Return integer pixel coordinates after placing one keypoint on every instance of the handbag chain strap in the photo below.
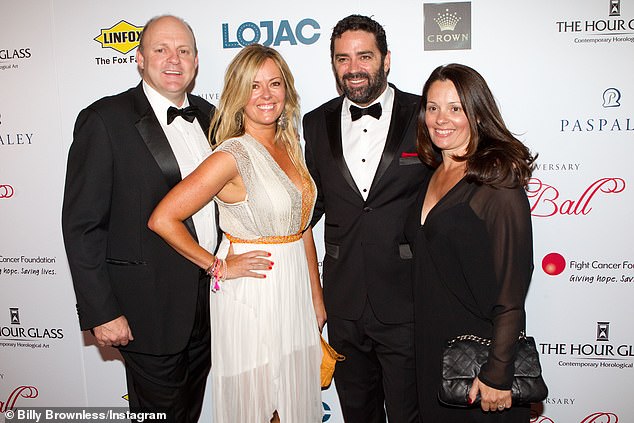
(479, 340)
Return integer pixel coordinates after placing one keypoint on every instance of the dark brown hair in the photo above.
(494, 155)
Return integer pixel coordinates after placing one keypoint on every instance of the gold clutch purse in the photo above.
(328, 360)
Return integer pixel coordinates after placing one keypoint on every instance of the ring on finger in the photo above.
(501, 407)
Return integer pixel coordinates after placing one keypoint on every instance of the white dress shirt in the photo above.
(363, 140)
(190, 146)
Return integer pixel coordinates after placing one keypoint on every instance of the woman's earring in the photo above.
(282, 121)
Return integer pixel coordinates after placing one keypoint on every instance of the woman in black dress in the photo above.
(471, 231)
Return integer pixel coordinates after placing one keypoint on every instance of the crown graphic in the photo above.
(447, 21)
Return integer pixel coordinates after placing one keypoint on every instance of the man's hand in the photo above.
(114, 333)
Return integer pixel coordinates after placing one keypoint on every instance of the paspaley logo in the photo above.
(270, 33)
(610, 99)
(122, 37)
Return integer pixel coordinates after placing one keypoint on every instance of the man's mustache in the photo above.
(357, 75)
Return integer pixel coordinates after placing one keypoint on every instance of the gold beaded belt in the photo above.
(282, 239)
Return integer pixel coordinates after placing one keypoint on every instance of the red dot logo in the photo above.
(553, 264)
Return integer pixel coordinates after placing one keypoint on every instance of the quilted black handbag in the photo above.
(463, 357)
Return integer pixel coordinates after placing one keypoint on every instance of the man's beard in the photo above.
(368, 93)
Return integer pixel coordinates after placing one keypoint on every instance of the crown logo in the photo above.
(447, 21)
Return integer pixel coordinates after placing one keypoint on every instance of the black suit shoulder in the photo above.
(406, 98)
(113, 104)
(319, 111)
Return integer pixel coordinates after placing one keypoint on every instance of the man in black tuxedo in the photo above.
(133, 291)
(361, 151)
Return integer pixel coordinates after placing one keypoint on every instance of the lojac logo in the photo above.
(122, 37)
(305, 32)
(611, 98)
(6, 191)
(546, 199)
(447, 26)
(19, 392)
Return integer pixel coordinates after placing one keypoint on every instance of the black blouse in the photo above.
(473, 260)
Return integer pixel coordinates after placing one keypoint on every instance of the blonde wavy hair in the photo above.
(228, 121)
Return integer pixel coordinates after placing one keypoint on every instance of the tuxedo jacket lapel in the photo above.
(333, 126)
(152, 134)
(401, 116)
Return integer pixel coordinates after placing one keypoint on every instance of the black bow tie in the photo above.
(374, 111)
(188, 113)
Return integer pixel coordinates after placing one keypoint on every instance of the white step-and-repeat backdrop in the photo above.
(562, 72)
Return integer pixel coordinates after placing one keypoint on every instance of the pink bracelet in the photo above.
(215, 272)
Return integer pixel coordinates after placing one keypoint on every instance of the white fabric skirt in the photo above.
(265, 346)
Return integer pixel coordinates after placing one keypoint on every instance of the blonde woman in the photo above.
(267, 307)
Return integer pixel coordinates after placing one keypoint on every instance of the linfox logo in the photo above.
(122, 37)
(270, 33)
(6, 191)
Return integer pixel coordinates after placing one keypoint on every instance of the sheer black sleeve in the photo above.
(506, 215)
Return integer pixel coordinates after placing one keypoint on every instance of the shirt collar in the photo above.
(159, 103)
(385, 99)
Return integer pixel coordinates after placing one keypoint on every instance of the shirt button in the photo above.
(365, 190)
(365, 130)
(367, 209)
(363, 160)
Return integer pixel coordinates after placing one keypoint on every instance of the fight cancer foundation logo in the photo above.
(590, 271)
(122, 37)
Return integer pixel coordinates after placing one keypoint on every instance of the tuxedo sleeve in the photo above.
(311, 164)
(85, 219)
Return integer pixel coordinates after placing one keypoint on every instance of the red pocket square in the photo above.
(406, 154)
